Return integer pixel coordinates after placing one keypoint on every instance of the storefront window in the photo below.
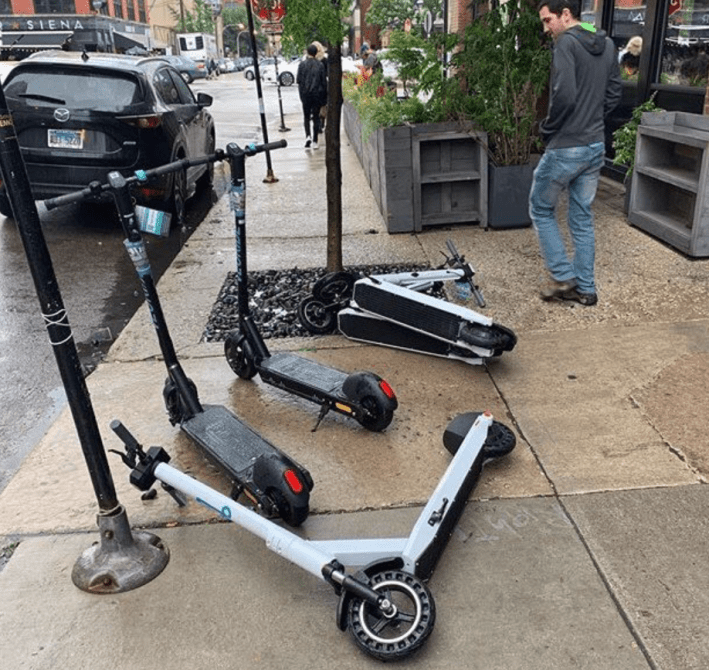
(685, 51)
(588, 11)
(54, 7)
(628, 23)
(5, 7)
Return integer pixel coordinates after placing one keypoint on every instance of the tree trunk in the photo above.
(333, 164)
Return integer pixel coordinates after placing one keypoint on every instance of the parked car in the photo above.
(249, 69)
(226, 65)
(186, 67)
(287, 72)
(243, 62)
(80, 116)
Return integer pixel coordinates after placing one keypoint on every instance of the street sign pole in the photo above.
(270, 177)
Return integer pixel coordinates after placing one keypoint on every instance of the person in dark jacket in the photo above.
(312, 87)
(585, 87)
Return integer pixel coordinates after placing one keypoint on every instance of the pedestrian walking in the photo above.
(312, 87)
(585, 88)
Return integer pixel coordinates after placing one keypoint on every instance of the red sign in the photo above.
(272, 11)
(675, 6)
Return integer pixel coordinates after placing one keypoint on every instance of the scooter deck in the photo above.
(409, 308)
(230, 443)
(362, 327)
(302, 376)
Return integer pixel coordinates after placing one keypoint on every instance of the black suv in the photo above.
(80, 116)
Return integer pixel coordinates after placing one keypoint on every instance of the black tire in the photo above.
(5, 208)
(334, 287)
(205, 182)
(292, 515)
(315, 317)
(493, 337)
(175, 406)
(376, 417)
(287, 79)
(239, 355)
(390, 638)
(178, 206)
(500, 440)
(249, 74)
(187, 77)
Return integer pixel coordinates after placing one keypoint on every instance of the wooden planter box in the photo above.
(423, 174)
(669, 197)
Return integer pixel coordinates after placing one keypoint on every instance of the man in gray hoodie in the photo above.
(585, 88)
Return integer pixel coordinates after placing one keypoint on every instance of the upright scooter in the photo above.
(397, 310)
(385, 603)
(363, 396)
(275, 483)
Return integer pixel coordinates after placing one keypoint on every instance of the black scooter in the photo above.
(275, 483)
(363, 396)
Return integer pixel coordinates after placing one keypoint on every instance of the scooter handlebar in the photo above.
(95, 188)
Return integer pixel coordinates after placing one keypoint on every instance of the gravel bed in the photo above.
(274, 296)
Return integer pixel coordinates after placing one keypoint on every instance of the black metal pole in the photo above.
(121, 560)
(270, 177)
(54, 314)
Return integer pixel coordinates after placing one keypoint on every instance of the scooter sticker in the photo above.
(237, 200)
(224, 512)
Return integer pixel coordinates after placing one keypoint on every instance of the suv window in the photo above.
(172, 88)
(74, 90)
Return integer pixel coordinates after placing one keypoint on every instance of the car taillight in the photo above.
(143, 122)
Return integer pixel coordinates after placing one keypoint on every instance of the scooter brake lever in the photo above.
(128, 459)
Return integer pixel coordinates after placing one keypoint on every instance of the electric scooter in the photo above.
(386, 605)
(274, 482)
(398, 310)
(363, 396)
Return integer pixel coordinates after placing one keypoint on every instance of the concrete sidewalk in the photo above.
(585, 548)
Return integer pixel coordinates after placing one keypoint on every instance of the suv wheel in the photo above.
(5, 208)
(249, 74)
(179, 198)
(287, 79)
(186, 76)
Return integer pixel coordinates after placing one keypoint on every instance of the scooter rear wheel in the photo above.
(239, 355)
(497, 338)
(396, 635)
(500, 440)
(291, 514)
(376, 417)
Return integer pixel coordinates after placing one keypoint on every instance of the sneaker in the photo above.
(315, 145)
(587, 299)
(556, 289)
(307, 143)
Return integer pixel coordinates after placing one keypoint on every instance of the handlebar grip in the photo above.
(142, 175)
(253, 149)
(124, 434)
(92, 189)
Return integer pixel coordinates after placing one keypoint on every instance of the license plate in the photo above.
(65, 139)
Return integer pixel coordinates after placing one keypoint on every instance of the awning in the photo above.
(124, 42)
(35, 39)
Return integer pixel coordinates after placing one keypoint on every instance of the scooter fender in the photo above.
(359, 385)
(275, 471)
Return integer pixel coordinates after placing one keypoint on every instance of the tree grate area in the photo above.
(274, 296)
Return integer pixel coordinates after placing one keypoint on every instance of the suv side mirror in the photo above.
(204, 100)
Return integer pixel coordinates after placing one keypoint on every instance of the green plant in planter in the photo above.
(625, 137)
(502, 70)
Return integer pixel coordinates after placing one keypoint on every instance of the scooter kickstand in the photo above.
(324, 409)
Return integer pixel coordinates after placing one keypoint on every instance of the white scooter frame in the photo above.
(386, 605)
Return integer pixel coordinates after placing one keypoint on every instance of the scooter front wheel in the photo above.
(497, 338)
(239, 355)
(398, 633)
(376, 416)
(316, 317)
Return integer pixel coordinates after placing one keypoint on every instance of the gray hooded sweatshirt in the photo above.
(585, 88)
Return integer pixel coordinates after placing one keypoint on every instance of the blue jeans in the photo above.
(576, 169)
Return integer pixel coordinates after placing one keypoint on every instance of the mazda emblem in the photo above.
(61, 114)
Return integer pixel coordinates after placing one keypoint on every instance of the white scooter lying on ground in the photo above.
(398, 310)
(386, 604)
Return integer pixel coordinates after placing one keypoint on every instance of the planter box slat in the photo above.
(423, 174)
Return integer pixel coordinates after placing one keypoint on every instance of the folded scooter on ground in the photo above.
(402, 311)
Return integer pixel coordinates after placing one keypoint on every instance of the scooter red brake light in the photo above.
(388, 390)
(293, 481)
